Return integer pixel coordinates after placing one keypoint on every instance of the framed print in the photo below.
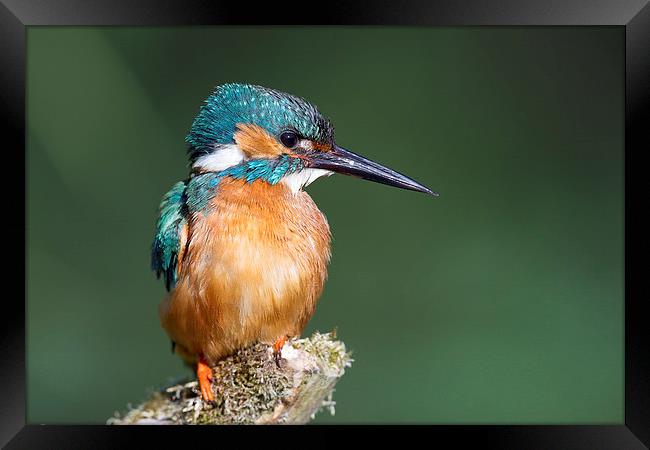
(503, 308)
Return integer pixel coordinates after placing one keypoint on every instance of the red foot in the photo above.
(204, 375)
(277, 349)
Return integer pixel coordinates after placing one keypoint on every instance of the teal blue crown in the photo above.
(273, 110)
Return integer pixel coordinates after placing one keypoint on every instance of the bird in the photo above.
(242, 248)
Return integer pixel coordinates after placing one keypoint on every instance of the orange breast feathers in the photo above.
(253, 270)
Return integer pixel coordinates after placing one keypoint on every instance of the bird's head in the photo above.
(261, 133)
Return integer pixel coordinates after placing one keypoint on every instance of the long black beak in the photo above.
(343, 161)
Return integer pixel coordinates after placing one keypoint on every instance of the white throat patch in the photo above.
(296, 181)
(221, 158)
(225, 156)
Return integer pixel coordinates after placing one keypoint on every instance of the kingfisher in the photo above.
(242, 248)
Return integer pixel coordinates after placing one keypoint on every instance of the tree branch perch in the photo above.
(250, 389)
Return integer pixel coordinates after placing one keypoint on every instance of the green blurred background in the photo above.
(499, 302)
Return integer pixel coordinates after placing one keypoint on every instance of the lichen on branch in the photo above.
(249, 388)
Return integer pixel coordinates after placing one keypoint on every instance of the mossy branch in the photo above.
(250, 389)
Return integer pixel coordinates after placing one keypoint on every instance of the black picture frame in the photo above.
(633, 15)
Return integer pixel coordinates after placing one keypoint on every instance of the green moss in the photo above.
(250, 388)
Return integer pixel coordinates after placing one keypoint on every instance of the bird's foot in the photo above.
(277, 349)
(204, 375)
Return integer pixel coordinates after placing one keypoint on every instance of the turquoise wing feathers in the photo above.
(171, 234)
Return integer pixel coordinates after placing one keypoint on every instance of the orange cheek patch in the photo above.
(322, 147)
(311, 146)
(255, 141)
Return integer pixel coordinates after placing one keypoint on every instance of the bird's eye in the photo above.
(289, 139)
